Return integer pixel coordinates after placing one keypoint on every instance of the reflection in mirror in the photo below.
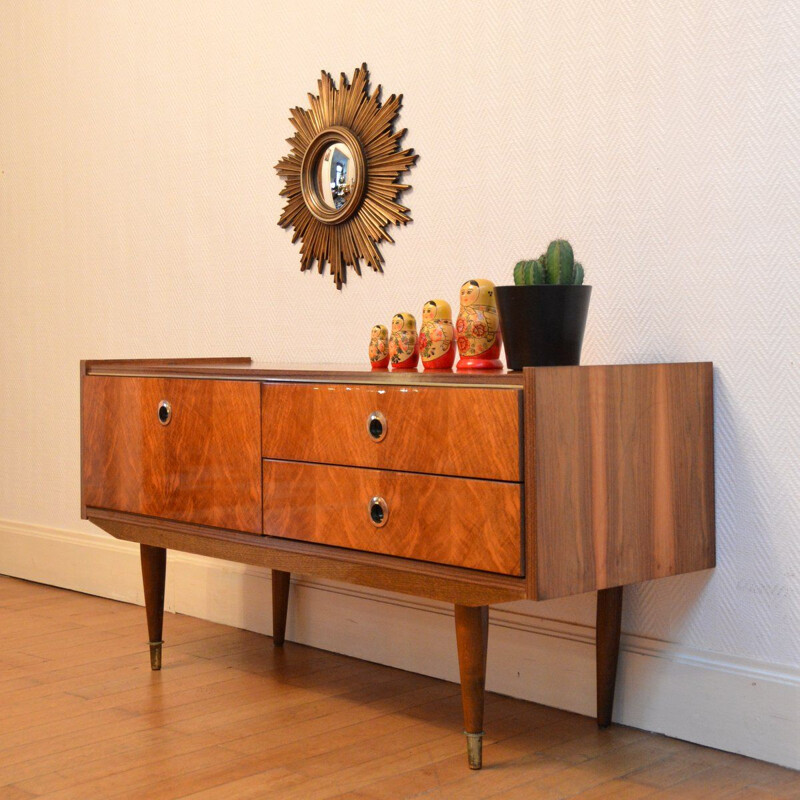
(336, 175)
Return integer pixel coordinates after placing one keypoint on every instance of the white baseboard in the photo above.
(725, 702)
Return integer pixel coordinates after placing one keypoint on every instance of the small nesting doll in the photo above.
(403, 348)
(379, 347)
(436, 336)
(477, 327)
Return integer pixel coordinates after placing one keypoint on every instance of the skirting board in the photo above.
(725, 702)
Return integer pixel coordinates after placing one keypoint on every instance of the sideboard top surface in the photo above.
(247, 369)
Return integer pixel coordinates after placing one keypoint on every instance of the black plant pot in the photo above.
(543, 326)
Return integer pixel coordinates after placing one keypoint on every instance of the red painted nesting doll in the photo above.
(379, 347)
(436, 336)
(478, 327)
(403, 350)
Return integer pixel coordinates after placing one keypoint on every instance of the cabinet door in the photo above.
(202, 466)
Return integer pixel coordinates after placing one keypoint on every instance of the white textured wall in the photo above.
(138, 209)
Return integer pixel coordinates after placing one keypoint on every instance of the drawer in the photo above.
(203, 466)
(468, 432)
(455, 521)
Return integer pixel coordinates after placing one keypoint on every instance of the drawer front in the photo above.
(203, 466)
(455, 521)
(468, 432)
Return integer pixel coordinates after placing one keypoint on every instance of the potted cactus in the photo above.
(543, 315)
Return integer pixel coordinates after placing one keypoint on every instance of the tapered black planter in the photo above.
(543, 326)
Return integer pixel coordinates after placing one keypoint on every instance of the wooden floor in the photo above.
(82, 716)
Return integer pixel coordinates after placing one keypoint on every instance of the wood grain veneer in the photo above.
(203, 467)
(469, 432)
(464, 523)
(624, 474)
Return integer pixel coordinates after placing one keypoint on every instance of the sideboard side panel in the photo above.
(624, 474)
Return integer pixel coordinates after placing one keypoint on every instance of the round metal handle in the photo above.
(164, 412)
(376, 426)
(378, 511)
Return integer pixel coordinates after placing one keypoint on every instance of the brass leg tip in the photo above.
(155, 655)
(474, 749)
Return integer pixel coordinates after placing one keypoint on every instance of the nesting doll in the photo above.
(436, 336)
(477, 327)
(403, 348)
(379, 347)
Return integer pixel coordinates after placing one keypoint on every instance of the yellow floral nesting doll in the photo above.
(403, 349)
(379, 347)
(477, 327)
(436, 335)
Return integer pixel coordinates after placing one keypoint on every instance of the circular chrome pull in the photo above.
(164, 412)
(376, 426)
(378, 511)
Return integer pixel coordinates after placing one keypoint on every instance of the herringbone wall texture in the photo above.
(138, 209)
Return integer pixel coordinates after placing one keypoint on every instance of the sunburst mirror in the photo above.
(341, 175)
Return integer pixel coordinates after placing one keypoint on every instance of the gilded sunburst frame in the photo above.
(346, 227)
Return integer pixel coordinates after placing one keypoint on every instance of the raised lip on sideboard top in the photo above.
(246, 369)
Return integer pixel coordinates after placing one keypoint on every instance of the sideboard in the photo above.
(471, 489)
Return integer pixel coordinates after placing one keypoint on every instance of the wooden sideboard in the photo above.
(468, 488)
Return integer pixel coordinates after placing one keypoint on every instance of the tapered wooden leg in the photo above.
(609, 619)
(280, 605)
(154, 573)
(472, 635)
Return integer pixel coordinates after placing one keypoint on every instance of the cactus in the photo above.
(556, 266)
(528, 272)
(560, 262)
(540, 269)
